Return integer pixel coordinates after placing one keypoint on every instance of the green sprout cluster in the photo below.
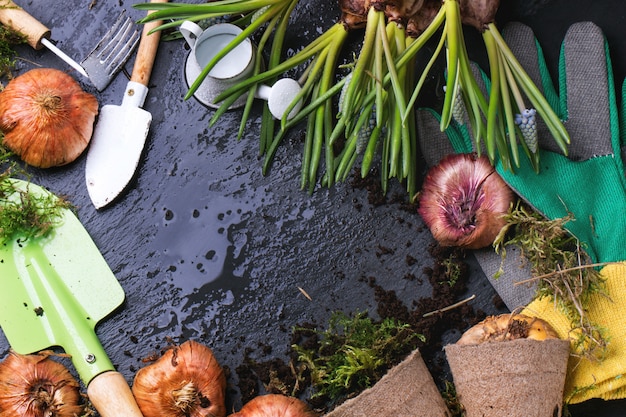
(375, 122)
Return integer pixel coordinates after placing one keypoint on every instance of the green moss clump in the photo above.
(24, 214)
(8, 40)
(562, 270)
(353, 353)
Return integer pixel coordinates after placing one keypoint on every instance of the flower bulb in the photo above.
(187, 381)
(275, 405)
(463, 201)
(46, 117)
(37, 386)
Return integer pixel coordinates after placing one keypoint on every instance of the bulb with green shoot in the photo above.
(383, 88)
(510, 88)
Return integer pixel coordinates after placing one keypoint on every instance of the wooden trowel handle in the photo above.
(13, 16)
(147, 50)
(111, 396)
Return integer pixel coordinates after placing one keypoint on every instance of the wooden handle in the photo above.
(147, 50)
(111, 396)
(18, 19)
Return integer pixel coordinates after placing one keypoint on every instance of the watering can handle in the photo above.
(18, 19)
(191, 32)
(111, 396)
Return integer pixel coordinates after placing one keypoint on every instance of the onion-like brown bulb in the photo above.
(354, 13)
(37, 386)
(463, 201)
(186, 381)
(46, 117)
(275, 405)
(478, 13)
(419, 21)
(508, 327)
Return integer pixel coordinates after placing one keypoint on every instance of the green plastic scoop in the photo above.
(55, 289)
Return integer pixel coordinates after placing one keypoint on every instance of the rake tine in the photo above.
(125, 43)
(112, 51)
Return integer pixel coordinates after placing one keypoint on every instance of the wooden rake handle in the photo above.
(13, 16)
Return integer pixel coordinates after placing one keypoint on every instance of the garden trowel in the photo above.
(55, 289)
(120, 133)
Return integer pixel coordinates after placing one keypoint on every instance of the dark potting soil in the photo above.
(428, 316)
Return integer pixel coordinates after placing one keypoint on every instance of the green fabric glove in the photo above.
(589, 183)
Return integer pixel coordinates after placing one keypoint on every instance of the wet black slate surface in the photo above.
(206, 247)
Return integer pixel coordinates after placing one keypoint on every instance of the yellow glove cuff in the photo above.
(588, 379)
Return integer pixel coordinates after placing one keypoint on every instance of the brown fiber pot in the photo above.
(407, 390)
(518, 378)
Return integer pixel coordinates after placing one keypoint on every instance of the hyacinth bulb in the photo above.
(275, 405)
(463, 201)
(37, 386)
(354, 13)
(187, 381)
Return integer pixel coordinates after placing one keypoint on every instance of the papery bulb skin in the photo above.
(275, 405)
(37, 386)
(478, 13)
(400, 10)
(463, 201)
(187, 381)
(354, 13)
(422, 18)
(46, 117)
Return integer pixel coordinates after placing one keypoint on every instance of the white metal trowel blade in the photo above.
(114, 152)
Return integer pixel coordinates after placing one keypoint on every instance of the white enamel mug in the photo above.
(233, 68)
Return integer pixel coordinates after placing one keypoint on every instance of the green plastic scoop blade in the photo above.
(54, 290)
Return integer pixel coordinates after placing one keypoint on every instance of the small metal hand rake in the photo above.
(111, 52)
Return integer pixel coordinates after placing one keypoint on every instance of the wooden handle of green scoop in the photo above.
(18, 19)
(111, 396)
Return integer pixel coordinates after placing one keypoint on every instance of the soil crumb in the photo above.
(448, 277)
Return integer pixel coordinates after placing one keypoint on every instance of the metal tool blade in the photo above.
(114, 152)
(120, 133)
(112, 52)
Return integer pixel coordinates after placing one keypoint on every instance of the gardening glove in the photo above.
(589, 184)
